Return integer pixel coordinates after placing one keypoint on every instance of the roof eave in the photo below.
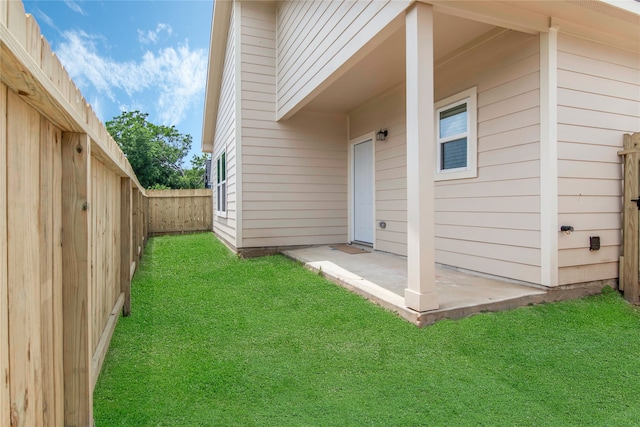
(219, 31)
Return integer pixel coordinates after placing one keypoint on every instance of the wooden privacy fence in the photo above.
(72, 228)
(629, 263)
(179, 211)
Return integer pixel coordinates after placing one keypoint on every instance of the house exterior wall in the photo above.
(288, 173)
(316, 38)
(294, 172)
(598, 101)
(225, 140)
(491, 223)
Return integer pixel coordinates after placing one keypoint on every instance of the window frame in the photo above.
(221, 193)
(469, 97)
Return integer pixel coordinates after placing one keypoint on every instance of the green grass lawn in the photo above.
(215, 340)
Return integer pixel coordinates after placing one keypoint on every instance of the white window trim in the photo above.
(470, 97)
(219, 212)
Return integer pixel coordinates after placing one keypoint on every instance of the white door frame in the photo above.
(350, 193)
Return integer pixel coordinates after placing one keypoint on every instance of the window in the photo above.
(456, 141)
(207, 174)
(221, 185)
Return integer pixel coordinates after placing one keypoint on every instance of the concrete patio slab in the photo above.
(382, 278)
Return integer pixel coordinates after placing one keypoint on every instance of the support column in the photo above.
(549, 228)
(420, 294)
(76, 279)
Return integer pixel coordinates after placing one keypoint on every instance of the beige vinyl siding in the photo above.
(316, 38)
(490, 223)
(225, 140)
(294, 172)
(598, 101)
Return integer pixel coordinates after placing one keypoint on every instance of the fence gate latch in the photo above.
(637, 202)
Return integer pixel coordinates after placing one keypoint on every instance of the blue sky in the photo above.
(134, 55)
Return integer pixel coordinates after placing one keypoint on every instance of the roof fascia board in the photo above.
(219, 32)
(628, 5)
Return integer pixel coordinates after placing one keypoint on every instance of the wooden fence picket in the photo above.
(75, 225)
(179, 211)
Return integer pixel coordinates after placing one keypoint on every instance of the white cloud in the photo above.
(79, 56)
(43, 17)
(172, 78)
(74, 6)
(152, 36)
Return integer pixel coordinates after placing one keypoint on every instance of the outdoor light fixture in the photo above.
(566, 228)
(381, 135)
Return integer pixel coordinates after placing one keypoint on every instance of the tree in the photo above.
(155, 152)
(194, 177)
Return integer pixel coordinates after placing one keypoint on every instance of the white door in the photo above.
(363, 192)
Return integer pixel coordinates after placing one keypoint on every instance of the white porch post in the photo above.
(420, 294)
(549, 157)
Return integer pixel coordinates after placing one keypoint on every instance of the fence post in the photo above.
(142, 218)
(135, 218)
(145, 231)
(76, 278)
(125, 244)
(630, 225)
(4, 308)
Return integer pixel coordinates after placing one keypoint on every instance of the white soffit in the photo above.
(384, 67)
